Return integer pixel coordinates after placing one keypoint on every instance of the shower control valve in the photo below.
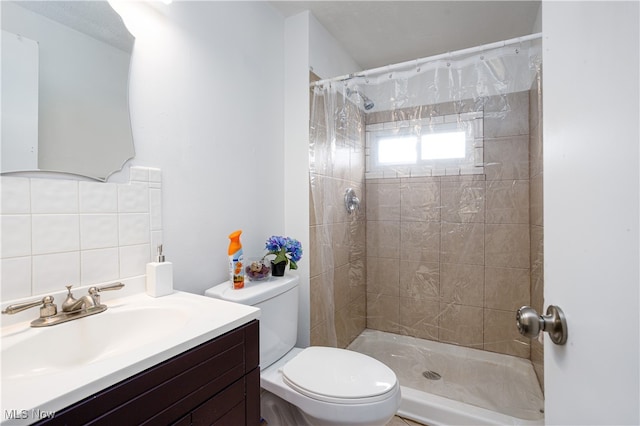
(351, 201)
(530, 323)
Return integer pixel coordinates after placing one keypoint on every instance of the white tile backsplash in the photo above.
(133, 228)
(16, 198)
(54, 233)
(16, 235)
(51, 272)
(134, 259)
(98, 231)
(139, 174)
(99, 266)
(155, 175)
(155, 209)
(16, 277)
(59, 232)
(133, 198)
(98, 197)
(54, 196)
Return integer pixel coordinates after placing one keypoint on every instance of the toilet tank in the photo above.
(277, 299)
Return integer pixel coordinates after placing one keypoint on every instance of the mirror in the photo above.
(65, 73)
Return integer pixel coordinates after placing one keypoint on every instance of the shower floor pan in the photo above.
(445, 384)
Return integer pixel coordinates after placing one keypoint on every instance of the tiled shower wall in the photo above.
(337, 252)
(448, 258)
(58, 232)
(536, 218)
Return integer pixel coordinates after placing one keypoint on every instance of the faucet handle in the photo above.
(93, 291)
(108, 287)
(47, 309)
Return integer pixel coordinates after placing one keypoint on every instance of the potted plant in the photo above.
(287, 251)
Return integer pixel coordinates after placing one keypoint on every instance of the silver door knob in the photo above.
(530, 323)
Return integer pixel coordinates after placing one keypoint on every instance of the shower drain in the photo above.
(431, 375)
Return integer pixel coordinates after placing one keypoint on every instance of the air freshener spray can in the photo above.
(236, 260)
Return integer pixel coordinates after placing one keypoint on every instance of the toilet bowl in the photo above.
(331, 405)
(329, 386)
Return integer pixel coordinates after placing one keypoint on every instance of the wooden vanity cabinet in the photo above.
(215, 383)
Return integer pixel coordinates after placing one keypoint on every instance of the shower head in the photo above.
(368, 103)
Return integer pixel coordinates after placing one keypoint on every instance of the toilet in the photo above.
(328, 386)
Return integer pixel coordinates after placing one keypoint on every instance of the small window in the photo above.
(397, 150)
(442, 146)
(427, 147)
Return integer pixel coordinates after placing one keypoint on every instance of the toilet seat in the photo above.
(354, 412)
(339, 376)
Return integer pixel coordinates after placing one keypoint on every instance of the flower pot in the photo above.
(277, 269)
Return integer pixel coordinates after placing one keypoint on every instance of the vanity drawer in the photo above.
(186, 384)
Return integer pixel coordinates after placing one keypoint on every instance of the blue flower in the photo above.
(275, 243)
(286, 250)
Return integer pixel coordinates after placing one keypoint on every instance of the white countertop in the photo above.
(200, 319)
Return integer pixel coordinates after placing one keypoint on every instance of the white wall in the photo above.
(296, 139)
(327, 58)
(308, 46)
(591, 107)
(206, 98)
(537, 25)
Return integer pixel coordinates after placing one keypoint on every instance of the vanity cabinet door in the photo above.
(185, 421)
(225, 408)
(211, 383)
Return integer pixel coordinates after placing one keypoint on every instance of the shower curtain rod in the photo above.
(418, 62)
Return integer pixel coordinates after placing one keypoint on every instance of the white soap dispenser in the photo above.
(159, 276)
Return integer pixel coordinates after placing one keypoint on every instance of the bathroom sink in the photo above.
(87, 340)
(50, 368)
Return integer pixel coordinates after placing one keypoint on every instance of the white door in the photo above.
(591, 124)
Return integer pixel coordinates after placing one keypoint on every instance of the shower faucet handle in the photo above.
(351, 201)
(530, 323)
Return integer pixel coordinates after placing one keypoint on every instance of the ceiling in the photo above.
(378, 33)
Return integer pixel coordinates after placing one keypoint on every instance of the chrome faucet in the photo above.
(72, 308)
(71, 304)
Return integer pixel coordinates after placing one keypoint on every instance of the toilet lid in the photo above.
(338, 375)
